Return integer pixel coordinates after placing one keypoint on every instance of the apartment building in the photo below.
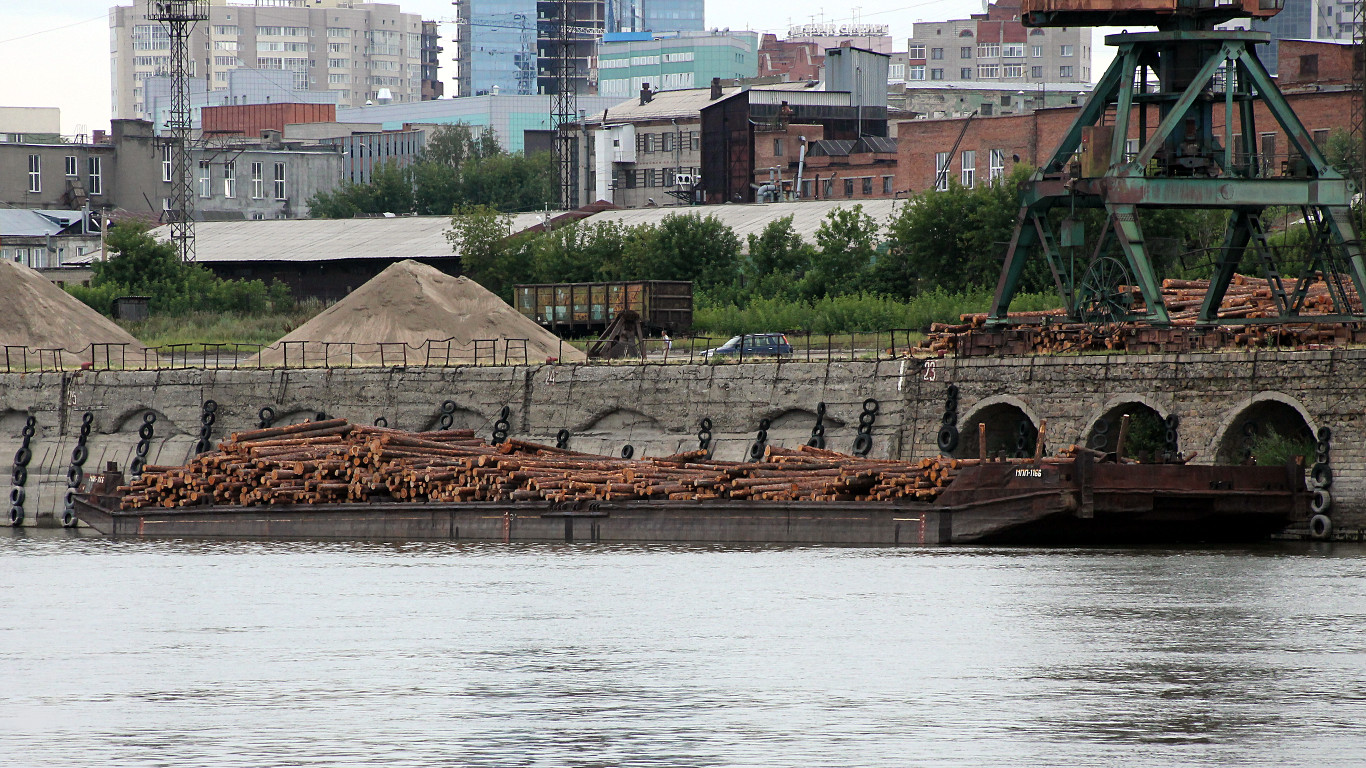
(995, 49)
(364, 52)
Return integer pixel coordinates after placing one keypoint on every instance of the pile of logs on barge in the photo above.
(332, 479)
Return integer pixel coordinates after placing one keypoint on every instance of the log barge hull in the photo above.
(1075, 502)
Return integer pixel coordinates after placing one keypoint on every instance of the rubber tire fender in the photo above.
(16, 516)
(210, 406)
(146, 431)
(1322, 501)
(448, 406)
(1320, 527)
(79, 455)
(816, 441)
(380, 421)
(1324, 434)
(1321, 475)
(69, 518)
(947, 439)
(142, 449)
(627, 451)
(870, 405)
(23, 456)
(149, 417)
(756, 450)
(17, 494)
(863, 444)
(20, 475)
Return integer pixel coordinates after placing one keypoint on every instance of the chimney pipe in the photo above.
(646, 95)
(715, 88)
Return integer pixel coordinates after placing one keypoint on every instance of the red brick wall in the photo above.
(250, 119)
(1305, 62)
(1031, 138)
(795, 61)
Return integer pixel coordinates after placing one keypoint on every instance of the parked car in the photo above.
(752, 344)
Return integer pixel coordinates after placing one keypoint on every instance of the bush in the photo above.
(141, 266)
(851, 313)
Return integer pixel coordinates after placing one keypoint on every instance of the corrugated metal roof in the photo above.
(403, 237)
(26, 222)
(751, 219)
(686, 103)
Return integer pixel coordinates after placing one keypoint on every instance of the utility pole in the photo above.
(180, 17)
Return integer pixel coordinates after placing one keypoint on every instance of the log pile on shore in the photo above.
(1247, 298)
(335, 462)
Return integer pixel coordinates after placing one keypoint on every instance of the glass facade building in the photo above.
(499, 47)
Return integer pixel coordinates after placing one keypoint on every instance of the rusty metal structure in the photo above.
(180, 17)
(1186, 95)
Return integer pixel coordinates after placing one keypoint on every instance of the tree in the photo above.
(452, 145)
(955, 240)
(511, 182)
(778, 258)
(848, 240)
(689, 247)
(141, 266)
(489, 254)
(390, 190)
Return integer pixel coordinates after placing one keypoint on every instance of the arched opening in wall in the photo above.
(1267, 433)
(1009, 432)
(1149, 436)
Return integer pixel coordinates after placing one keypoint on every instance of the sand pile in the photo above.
(39, 315)
(413, 309)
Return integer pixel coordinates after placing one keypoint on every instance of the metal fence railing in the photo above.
(444, 353)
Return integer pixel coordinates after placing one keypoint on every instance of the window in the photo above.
(1309, 65)
(230, 180)
(868, 185)
(1130, 149)
(205, 179)
(96, 176)
(965, 52)
(35, 173)
(1013, 50)
(166, 163)
(985, 71)
(915, 72)
(965, 73)
(258, 183)
(941, 171)
(279, 181)
(915, 51)
(1065, 72)
(73, 169)
(1321, 138)
(997, 164)
(777, 147)
(937, 54)
(669, 142)
(969, 167)
(1013, 70)
(896, 72)
(1065, 50)
(827, 188)
(989, 51)
(936, 74)
(1005, 99)
(1036, 73)
(848, 187)
(887, 185)
(1036, 51)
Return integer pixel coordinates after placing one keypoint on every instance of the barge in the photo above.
(1079, 500)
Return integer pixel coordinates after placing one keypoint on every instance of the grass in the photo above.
(202, 329)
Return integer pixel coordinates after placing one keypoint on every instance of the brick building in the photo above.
(791, 60)
(992, 146)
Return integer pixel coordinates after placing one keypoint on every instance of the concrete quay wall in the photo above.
(657, 408)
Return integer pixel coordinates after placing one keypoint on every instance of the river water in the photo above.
(174, 653)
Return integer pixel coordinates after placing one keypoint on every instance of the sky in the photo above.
(56, 54)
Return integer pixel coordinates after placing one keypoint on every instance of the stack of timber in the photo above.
(334, 462)
(1247, 298)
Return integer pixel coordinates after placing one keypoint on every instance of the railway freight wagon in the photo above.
(577, 309)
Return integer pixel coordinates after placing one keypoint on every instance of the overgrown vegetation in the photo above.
(1272, 449)
(142, 266)
(202, 330)
(459, 168)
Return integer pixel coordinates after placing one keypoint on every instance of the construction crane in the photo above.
(554, 27)
(1183, 91)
